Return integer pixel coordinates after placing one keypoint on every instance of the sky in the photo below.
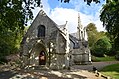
(62, 12)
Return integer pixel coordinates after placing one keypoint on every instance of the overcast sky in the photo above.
(62, 12)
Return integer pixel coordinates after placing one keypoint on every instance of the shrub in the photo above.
(101, 47)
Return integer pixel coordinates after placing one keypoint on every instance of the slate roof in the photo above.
(75, 41)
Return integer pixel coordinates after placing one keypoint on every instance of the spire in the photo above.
(79, 22)
(79, 27)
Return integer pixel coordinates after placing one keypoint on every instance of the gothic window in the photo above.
(41, 31)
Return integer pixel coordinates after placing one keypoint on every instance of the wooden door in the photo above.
(42, 58)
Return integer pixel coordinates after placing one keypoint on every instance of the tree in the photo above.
(93, 34)
(91, 27)
(98, 41)
(102, 46)
(9, 43)
(109, 17)
(91, 30)
(14, 15)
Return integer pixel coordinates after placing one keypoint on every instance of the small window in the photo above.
(41, 31)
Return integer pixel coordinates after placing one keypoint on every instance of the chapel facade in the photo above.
(48, 44)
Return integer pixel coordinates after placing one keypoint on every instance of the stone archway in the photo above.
(39, 55)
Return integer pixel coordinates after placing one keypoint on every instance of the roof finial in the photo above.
(42, 11)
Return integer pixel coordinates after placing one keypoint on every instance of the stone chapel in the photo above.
(48, 44)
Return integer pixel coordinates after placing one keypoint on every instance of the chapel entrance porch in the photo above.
(39, 56)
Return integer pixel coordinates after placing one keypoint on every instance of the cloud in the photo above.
(82, 6)
(61, 15)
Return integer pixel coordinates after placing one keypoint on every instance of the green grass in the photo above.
(111, 70)
(107, 58)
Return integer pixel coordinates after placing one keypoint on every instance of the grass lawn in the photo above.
(111, 70)
(108, 58)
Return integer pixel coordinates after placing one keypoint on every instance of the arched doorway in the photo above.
(42, 58)
(39, 54)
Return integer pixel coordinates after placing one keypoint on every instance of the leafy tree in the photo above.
(98, 41)
(109, 17)
(9, 44)
(14, 15)
(102, 46)
(91, 30)
(93, 34)
(91, 27)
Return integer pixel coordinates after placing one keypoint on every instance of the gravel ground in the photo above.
(76, 72)
(98, 65)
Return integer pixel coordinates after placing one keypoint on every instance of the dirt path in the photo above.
(98, 65)
(50, 74)
(76, 72)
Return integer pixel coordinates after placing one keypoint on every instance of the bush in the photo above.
(101, 47)
(98, 52)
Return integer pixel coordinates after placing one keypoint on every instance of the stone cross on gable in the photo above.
(42, 11)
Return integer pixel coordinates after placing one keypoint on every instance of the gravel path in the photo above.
(76, 72)
(98, 65)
